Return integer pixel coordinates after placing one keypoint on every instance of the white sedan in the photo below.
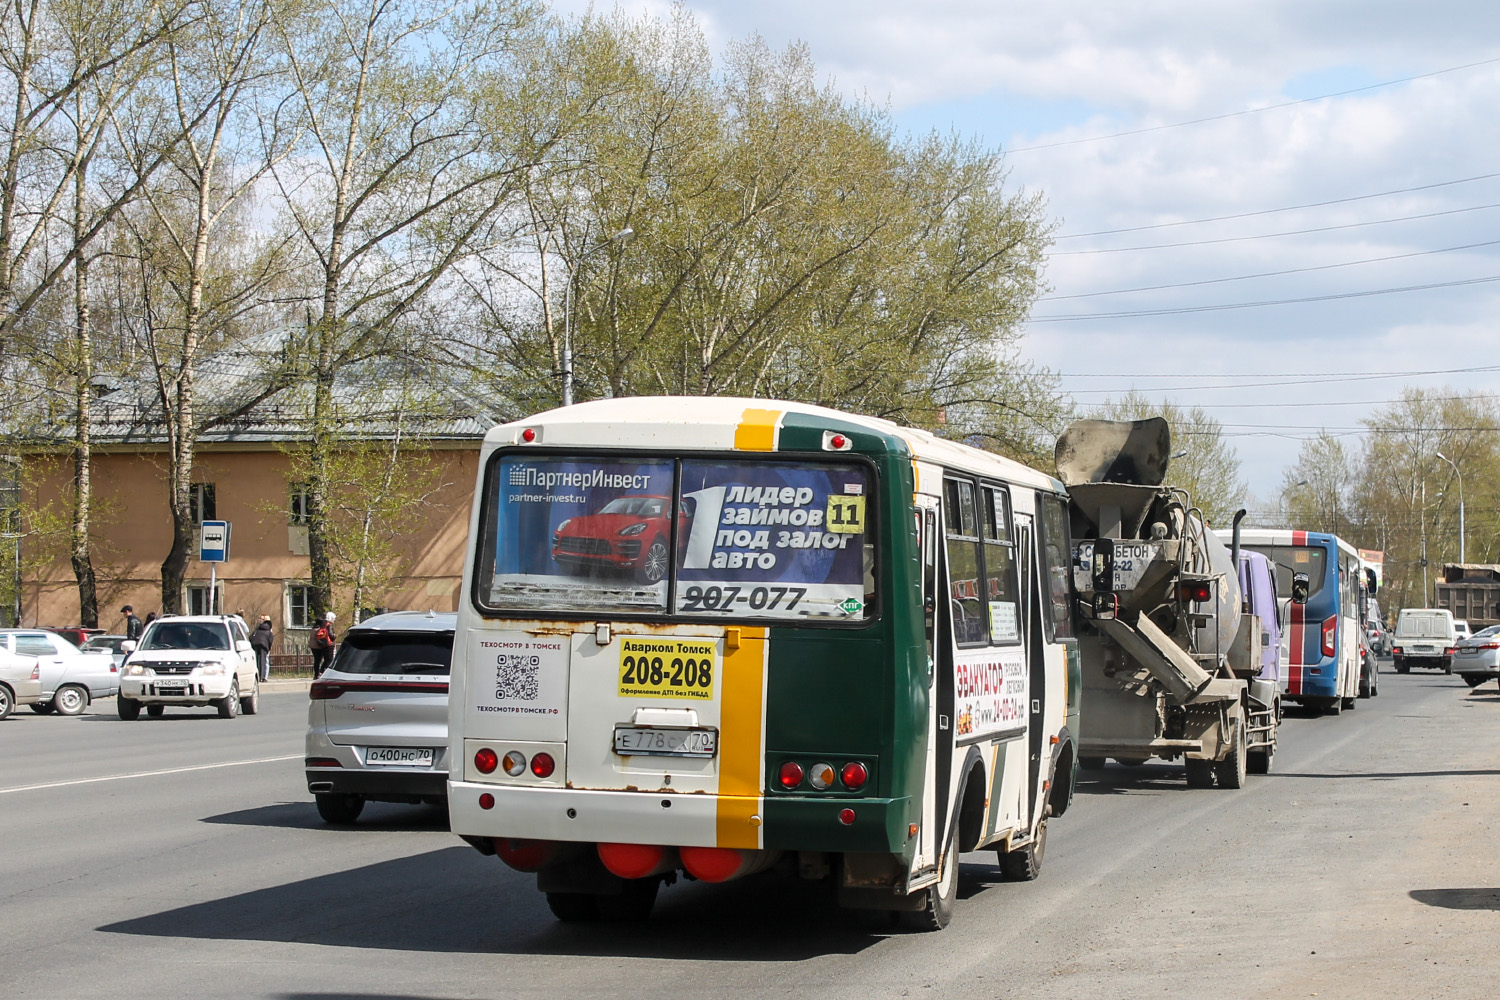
(1478, 657)
(70, 678)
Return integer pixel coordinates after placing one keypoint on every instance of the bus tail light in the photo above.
(790, 774)
(542, 765)
(514, 763)
(486, 760)
(854, 775)
(821, 776)
(720, 864)
(846, 817)
(1329, 628)
(638, 860)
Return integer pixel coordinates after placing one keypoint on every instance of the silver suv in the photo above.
(190, 660)
(377, 724)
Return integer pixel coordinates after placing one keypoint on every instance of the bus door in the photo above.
(1036, 661)
(928, 527)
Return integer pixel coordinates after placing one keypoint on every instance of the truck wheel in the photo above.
(1200, 773)
(937, 912)
(338, 808)
(1232, 769)
(1447, 668)
(1401, 668)
(129, 708)
(229, 705)
(1025, 864)
(1259, 761)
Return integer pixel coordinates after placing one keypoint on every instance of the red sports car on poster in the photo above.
(629, 534)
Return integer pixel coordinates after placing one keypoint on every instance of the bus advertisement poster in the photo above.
(990, 693)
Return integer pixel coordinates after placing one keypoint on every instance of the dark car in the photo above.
(76, 634)
(629, 534)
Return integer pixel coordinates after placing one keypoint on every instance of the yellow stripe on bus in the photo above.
(742, 730)
(757, 430)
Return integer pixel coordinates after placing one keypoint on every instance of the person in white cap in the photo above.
(322, 643)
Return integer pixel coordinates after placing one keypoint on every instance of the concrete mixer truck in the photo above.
(1171, 656)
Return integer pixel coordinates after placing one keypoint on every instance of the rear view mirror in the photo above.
(1371, 584)
(1102, 570)
(1300, 585)
(128, 646)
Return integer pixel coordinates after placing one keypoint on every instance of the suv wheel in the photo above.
(229, 705)
(338, 808)
(250, 704)
(129, 708)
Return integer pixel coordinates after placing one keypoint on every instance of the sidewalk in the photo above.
(276, 685)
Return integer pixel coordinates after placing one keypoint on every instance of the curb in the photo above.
(292, 684)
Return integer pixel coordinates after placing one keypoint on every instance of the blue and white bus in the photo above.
(1322, 635)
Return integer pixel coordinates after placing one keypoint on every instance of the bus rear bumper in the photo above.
(679, 820)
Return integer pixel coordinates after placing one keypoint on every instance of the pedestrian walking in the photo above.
(133, 626)
(150, 617)
(261, 640)
(321, 644)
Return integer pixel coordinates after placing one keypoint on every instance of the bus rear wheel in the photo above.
(937, 910)
(1025, 864)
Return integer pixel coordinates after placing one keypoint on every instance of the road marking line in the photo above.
(148, 774)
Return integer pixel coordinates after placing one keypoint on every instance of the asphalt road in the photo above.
(182, 857)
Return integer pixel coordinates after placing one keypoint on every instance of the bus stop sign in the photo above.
(214, 542)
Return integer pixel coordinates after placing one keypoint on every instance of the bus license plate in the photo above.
(649, 742)
(399, 756)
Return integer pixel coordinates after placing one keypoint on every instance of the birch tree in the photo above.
(418, 136)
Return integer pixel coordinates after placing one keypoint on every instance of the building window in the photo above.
(198, 599)
(300, 499)
(298, 605)
(204, 506)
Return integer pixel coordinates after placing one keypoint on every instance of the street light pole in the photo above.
(1460, 476)
(623, 236)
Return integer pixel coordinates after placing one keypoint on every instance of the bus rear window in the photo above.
(580, 535)
(576, 535)
(1290, 559)
(775, 540)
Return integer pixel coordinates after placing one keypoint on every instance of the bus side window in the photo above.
(964, 598)
(1057, 551)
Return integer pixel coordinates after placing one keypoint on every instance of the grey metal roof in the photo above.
(374, 400)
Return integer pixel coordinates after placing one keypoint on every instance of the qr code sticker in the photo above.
(516, 677)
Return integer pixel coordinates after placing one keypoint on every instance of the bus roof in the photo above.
(1286, 536)
(730, 423)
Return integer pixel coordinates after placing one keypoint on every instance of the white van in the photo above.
(1425, 637)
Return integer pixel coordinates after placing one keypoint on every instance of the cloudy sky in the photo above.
(1264, 192)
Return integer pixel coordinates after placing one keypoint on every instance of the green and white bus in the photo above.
(723, 636)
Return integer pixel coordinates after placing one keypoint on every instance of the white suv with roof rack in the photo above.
(190, 661)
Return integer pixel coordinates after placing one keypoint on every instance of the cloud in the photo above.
(1028, 75)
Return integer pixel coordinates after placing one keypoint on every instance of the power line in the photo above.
(1272, 236)
(1253, 111)
(1185, 310)
(1272, 274)
(1321, 377)
(1289, 208)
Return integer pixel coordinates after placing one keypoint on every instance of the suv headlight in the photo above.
(212, 669)
(139, 670)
